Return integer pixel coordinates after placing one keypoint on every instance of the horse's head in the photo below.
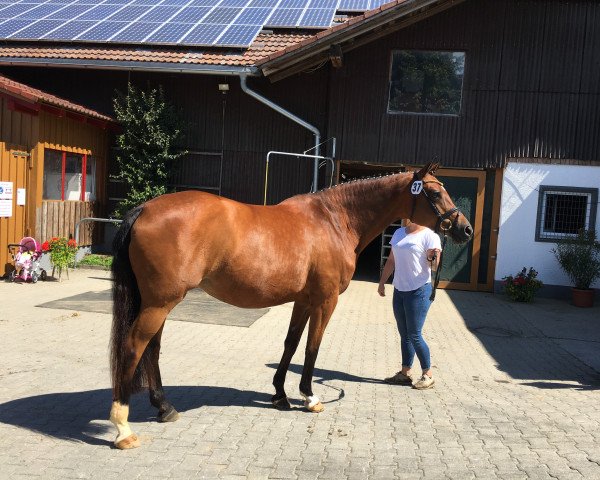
(433, 207)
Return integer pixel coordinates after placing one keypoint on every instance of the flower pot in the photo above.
(583, 298)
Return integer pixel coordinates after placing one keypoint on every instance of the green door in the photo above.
(460, 262)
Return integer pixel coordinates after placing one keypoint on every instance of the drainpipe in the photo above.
(292, 117)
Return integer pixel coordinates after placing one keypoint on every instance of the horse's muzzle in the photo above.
(461, 232)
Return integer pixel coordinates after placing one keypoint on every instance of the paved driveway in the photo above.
(516, 396)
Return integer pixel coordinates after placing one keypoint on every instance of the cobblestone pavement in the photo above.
(511, 401)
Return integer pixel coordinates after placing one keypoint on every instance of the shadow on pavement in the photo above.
(75, 416)
(545, 344)
(321, 375)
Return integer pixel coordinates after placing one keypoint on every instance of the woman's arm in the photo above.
(388, 268)
(433, 257)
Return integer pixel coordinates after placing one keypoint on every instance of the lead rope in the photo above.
(439, 267)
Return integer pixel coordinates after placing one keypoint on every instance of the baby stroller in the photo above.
(26, 254)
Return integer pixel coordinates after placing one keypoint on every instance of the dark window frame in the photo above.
(390, 111)
(543, 190)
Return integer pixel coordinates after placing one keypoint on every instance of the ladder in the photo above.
(385, 243)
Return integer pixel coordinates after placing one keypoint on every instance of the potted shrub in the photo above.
(522, 286)
(62, 253)
(579, 257)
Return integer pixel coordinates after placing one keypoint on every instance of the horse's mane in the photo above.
(362, 185)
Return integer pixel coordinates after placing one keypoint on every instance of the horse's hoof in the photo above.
(316, 408)
(281, 403)
(129, 442)
(170, 415)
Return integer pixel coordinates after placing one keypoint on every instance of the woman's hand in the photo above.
(433, 256)
(381, 289)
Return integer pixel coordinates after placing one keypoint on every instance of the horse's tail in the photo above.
(126, 307)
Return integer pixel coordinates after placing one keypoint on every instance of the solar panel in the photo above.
(292, 4)
(160, 14)
(191, 15)
(135, 32)
(284, 17)
(228, 23)
(69, 12)
(36, 30)
(102, 31)
(69, 30)
(253, 16)
(204, 34)
(11, 26)
(100, 12)
(222, 15)
(317, 18)
(354, 5)
(239, 35)
(128, 14)
(169, 33)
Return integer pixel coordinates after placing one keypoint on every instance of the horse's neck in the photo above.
(368, 206)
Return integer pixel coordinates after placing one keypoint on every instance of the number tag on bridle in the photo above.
(416, 187)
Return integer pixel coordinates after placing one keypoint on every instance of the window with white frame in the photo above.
(69, 176)
(426, 82)
(563, 211)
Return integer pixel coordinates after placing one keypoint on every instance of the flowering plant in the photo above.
(62, 252)
(522, 286)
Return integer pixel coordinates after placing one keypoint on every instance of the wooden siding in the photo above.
(17, 133)
(56, 218)
(531, 88)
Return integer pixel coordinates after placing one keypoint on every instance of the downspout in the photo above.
(292, 117)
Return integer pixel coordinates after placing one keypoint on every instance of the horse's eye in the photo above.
(436, 195)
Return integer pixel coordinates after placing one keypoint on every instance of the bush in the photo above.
(523, 286)
(97, 260)
(147, 147)
(579, 258)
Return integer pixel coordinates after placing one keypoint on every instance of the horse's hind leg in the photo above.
(297, 323)
(319, 318)
(148, 323)
(166, 411)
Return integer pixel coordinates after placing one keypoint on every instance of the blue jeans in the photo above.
(410, 310)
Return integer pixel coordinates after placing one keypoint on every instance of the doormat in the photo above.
(197, 307)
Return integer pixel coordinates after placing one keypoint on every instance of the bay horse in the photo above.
(303, 250)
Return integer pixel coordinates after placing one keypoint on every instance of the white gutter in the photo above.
(292, 117)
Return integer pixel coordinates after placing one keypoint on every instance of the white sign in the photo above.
(20, 196)
(6, 199)
(416, 187)
(6, 208)
(6, 190)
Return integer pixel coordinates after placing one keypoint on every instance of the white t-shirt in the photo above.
(411, 268)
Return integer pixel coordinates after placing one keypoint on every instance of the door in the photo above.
(14, 176)
(461, 261)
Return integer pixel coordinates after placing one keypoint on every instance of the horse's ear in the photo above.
(424, 171)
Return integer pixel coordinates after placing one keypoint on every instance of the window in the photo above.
(426, 82)
(69, 176)
(563, 211)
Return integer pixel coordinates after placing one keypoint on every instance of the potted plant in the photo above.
(579, 257)
(522, 286)
(62, 253)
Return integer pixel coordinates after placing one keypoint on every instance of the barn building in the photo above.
(505, 94)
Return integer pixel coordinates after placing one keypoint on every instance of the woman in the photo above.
(415, 251)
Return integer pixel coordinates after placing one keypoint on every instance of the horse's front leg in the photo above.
(319, 318)
(300, 315)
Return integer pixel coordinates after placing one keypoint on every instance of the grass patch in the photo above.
(96, 260)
